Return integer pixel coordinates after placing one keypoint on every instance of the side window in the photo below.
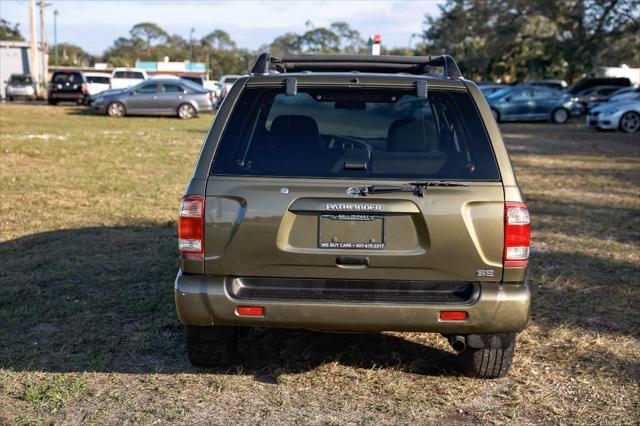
(543, 93)
(119, 74)
(136, 75)
(146, 89)
(521, 95)
(173, 88)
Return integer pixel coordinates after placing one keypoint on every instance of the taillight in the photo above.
(84, 87)
(516, 235)
(191, 228)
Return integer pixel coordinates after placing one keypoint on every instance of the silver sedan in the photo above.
(156, 97)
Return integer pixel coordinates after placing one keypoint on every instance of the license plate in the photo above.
(351, 231)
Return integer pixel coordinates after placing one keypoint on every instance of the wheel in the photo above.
(496, 114)
(10, 98)
(630, 122)
(116, 109)
(186, 111)
(560, 115)
(211, 346)
(488, 363)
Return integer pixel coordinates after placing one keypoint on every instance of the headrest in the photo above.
(294, 130)
(410, 135)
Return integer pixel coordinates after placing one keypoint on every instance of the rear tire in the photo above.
(630, 122)
(487, 363)
(116, 109)
(212, 346)
(186, 111)
(560, 115)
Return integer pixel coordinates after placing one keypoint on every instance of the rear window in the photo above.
(98, 80)
(70, 77)
(129, 74)
(356, 133)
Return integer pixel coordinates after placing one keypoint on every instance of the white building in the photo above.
(14, 59)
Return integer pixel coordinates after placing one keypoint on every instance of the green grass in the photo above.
(89, 332)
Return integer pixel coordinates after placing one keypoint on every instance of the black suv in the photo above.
(68, 86)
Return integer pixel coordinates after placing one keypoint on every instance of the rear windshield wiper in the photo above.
(417, 188)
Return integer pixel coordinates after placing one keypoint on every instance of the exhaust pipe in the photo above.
(458, 343)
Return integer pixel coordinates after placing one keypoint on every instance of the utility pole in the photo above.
(33, 58)
(193, 30)
(43, 46)
(55, 33)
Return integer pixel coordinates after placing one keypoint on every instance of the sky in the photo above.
(95, 24)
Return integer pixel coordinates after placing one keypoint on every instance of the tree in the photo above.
(516, 40)
(286, 44)
(150, 33)
(9, 32)
(218, 39)
(70, 55)
(337, 38)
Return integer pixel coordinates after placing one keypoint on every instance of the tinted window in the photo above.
(230, 80)
(147, 88)
(129, 74)
(172, 88)
(541, 93)
(98, 80)
(520, 95)
(499, 93)
(72, 77)
(357, 134)
(197, 80)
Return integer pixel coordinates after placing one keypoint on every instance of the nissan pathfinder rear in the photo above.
(355, 193)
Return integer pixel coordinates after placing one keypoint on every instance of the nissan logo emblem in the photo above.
(353, 191)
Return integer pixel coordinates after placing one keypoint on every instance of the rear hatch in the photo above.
(355, 183)
(67, 82)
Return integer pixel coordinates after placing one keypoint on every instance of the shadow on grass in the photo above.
(101, 299)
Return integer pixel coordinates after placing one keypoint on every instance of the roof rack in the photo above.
(266, 64)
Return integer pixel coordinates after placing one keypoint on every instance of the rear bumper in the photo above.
(67, 96)
(205, 300)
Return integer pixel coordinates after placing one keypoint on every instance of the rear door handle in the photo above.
(352, 262)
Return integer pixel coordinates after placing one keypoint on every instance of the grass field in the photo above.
(88, 331)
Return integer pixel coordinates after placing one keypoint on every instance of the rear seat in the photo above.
(412, 145)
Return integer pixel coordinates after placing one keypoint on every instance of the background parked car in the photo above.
(213, 85)
(532, 103)
(624, 115)
(157, 97)
(618, 95)
(20, 86)
(226, 83)
(68, 86)
(586, 83)
(489, 88)
(126, 77)
(97, 82)
(594, 93)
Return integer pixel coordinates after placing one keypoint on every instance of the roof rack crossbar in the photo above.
(344, 63)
